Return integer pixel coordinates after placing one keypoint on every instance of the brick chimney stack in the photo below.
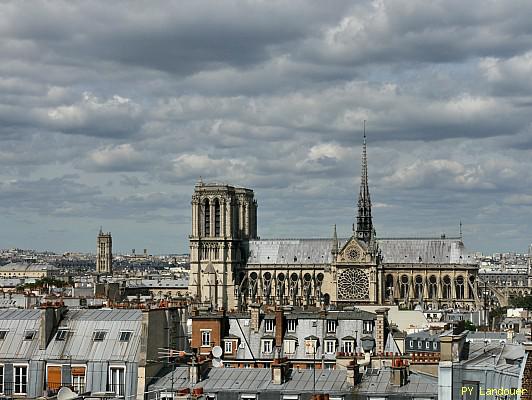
(279, 327)
(255, 317)
(380, 329)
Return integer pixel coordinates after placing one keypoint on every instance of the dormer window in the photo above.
(348, 344)
(368, 326)
(268, 325)
(3, 335)
(311, 344)
(29, 335)
(331, 326)
(125, 336)
(99, 336)
(291, 325)
(61, 334)
(267, 346)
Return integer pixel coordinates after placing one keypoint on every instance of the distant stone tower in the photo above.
(104, 253)
(224, 218)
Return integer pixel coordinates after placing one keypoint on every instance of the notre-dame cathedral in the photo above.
(231, 267)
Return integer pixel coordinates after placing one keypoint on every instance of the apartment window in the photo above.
(291, 325)
(228, 347)
(348, 346)
(117, 380)
(21, 379)
(205, 337)
(290, 397)
(267, 346)
(289, 346)
(99, 336)
(435, 346)
(78, 379)
(310, 346)
(61, 334)
(268, 325)
(330, 346)
(125, 336)
(368, 326)
(427, 345)
(419, 344)
(29, 335)
(411, 344)
(3, 335)
(248, 396)
(331, 326)
(1, 379)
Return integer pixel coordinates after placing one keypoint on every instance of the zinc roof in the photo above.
(79, 343)
(255, 380)
(379, 383)
(16, 323)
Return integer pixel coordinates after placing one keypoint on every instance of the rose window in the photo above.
(353, 284)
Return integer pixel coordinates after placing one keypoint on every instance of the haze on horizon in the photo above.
(110, 112)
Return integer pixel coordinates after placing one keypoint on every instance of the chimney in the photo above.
(279, 327)
(380, 329)
(353, 374)
(255, 317)
(399, 374)
(280, 369)
(50, 319)
(194, 373)
(451, 346)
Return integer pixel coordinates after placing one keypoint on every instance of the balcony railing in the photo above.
(53, 387)
(119, 389)
(12, 389)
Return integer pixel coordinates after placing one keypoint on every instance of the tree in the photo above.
(470, 326)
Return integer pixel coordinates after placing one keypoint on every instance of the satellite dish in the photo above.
(66, 394)
(217, 363)
(217, 351)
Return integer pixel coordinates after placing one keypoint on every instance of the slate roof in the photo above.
(79, 343)
(27, 267)
(379, 383)
(393, 250)
(255, 380)
(16, 322)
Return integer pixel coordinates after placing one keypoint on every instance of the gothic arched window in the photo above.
(216, 217)
(207, 221)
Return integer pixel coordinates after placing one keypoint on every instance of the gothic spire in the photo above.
(335, 242)
(364, 222)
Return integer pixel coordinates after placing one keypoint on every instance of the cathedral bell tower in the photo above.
(224, 218)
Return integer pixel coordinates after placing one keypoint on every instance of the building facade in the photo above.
(104, 253)
(232, 268)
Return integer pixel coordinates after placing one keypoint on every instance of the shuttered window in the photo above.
(54, 378)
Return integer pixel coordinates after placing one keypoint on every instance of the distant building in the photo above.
(306, 339)
(422, 342)
(104, 253)
(27, 270)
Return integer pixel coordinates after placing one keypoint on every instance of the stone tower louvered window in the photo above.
(216, 217)
(207, 222)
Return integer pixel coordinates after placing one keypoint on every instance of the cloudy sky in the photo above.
(111, 111)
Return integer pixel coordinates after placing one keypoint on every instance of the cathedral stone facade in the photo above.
(231, 267)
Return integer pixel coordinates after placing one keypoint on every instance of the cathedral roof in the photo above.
(394, 251)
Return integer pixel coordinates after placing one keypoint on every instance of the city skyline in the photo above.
(109, 116)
